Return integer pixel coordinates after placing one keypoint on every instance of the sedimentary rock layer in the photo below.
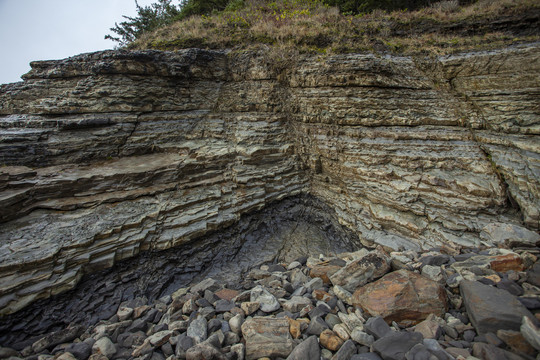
(294, 227)
(113, 153)
(119, 153)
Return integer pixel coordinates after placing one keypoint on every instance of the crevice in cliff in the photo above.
(509, 198)
(128, 136)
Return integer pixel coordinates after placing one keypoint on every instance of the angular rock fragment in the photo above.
(430, 329)
(395, 345)
(330, 340)
(361, 271)
(491, 352)
(306, 350)
(516, 341)
(268, 303)
(402, 296)
(204, 351)
(105, 347)
(296, 303)
(504, 263)
(377, 327)
(530, 332)
(509, 234)
(346, 351)
(57, 337)
(316, 326)
(206, 284)
(236, 323)
(267, 337)
(81, 350)
(226, 294)
(491, 309)
(198, 330)
(324, 272)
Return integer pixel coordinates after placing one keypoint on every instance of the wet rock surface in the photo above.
(312, 324)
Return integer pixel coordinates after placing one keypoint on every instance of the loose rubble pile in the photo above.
(366, 305)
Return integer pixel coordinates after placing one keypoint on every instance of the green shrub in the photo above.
(148, 18)
(364, 6)
(201, 7)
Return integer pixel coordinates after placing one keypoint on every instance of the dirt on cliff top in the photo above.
(312, 27)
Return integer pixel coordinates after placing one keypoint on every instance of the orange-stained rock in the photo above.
(402, 296)
(321, 295)
(516, 341)
(493, 277)
(504, 263)
(294, 328)
(330, 340)
(226, 294)
(430, 329)
(323, 272)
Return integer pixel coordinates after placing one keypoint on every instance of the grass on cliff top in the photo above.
(309, 26)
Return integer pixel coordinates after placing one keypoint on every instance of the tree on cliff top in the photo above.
(158, 15)
(148, 18)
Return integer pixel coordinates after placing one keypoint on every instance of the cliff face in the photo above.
(110, 154)
(414, 152)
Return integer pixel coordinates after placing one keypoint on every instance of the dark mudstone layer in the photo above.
(291, 228)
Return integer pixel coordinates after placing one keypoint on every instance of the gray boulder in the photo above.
(306, 350)
(491, 309)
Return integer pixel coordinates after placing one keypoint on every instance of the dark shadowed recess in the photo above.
(283, 231)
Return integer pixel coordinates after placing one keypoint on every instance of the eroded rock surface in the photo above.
(112, 154)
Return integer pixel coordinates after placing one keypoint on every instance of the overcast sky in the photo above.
(55, 29)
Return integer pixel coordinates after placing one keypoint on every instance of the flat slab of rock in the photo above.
(402, 296)
(267, 337)
(58, 337)
(361, 271)
(394, 346)
(509, 234)
(324, 271)
(491, 309)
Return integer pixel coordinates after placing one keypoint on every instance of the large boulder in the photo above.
(491, 309)
(402, 296)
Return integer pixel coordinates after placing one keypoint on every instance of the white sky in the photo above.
(55, 29)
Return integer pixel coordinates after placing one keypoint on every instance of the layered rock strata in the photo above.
(409, 149)
(110, 154)
(282, 231)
